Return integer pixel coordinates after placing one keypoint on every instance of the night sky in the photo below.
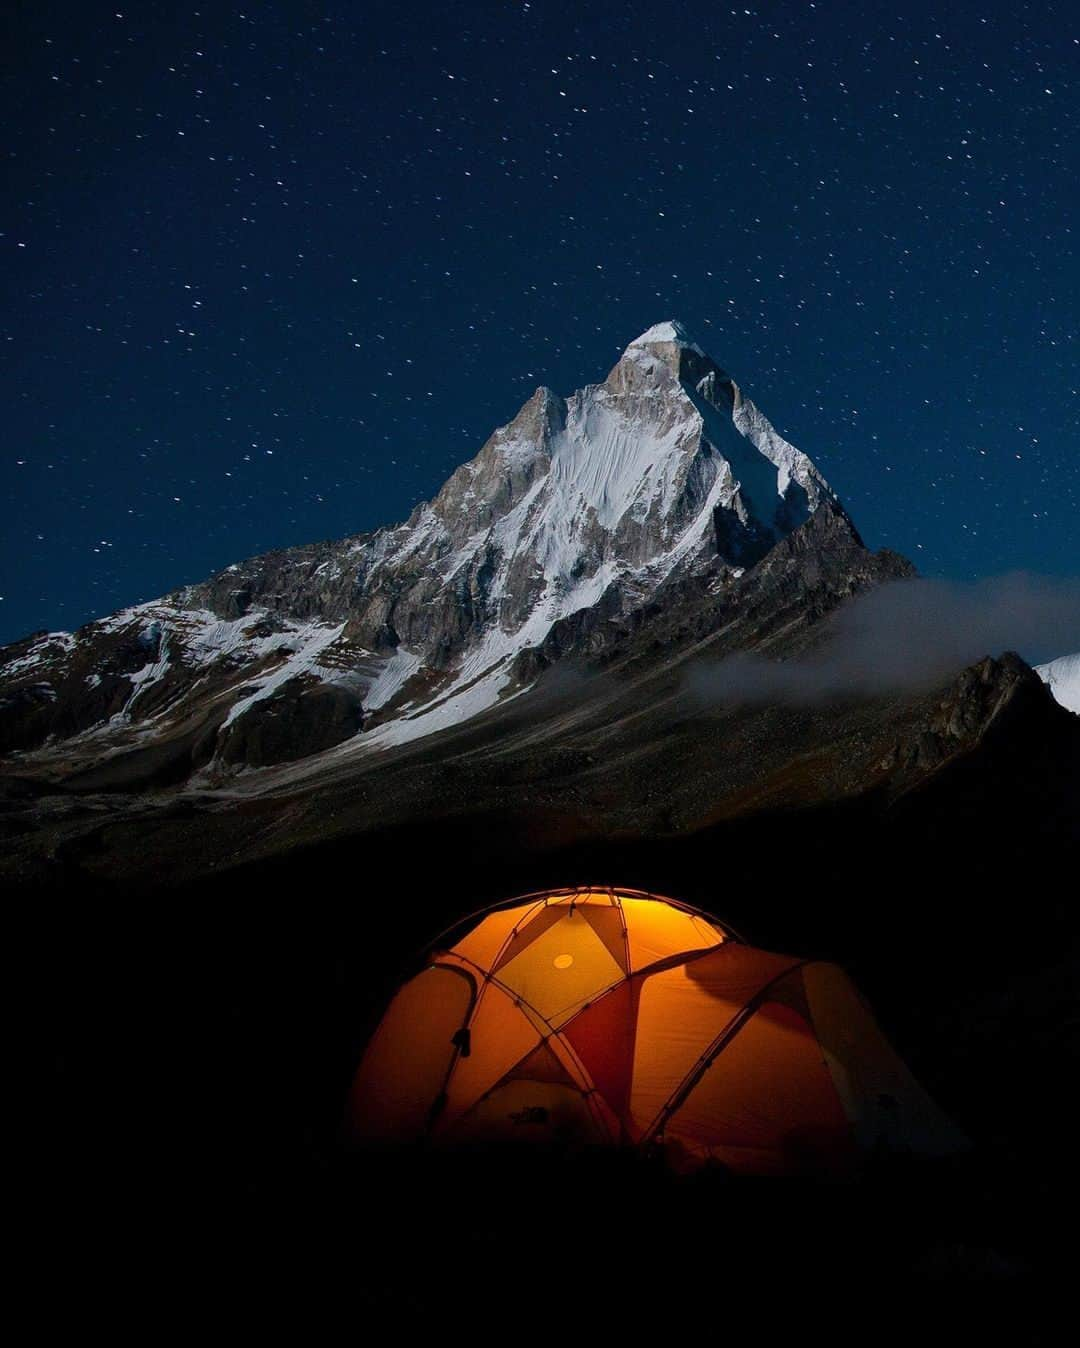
(271, 271)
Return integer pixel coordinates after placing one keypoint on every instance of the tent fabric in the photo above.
(619, 1017)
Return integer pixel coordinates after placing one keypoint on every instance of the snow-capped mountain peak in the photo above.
(587, 503)
(666, 350)
(671, 330)
(670, 333)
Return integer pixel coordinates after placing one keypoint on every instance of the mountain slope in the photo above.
(589, 505)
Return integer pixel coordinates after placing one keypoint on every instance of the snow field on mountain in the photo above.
(1062, 677)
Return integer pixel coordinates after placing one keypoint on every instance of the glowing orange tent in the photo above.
(614, 1016)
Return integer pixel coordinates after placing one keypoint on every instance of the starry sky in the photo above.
(271, 271)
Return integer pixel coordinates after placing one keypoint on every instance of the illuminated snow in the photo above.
(1062, 677)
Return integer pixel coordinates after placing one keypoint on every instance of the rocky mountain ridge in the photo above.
(579, 511)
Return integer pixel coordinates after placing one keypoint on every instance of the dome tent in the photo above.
(612, 1016)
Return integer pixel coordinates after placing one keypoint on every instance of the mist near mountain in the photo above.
(905, 636)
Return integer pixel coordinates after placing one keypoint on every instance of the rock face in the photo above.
(571, 519)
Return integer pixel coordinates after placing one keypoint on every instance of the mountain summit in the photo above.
(590, 504)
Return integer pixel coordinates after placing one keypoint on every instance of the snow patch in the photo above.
(1062, 677)
(461, 706)
(671, 331)
(151, 672)
(397, 671)
(48, 646)
(311, 640)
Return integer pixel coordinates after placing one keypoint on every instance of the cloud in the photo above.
(909, 635)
